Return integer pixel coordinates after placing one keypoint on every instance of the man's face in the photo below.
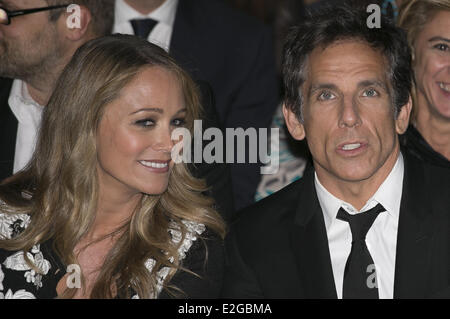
(349, 120)
(30, 43)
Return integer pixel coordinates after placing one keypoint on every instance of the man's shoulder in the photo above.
(276, 210)
(268, 224)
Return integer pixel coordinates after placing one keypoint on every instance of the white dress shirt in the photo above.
(28, 114)
(164, 14)
(381, 240)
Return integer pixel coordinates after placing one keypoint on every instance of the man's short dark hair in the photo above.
(331, 24)
(102, 12)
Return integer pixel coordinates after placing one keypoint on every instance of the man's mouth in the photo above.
(349, 147)
(353, 148)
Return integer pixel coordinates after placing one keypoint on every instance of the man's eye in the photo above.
(178, 122)
(370, 93)
(325, 96)
(145, 122)
(441, 47)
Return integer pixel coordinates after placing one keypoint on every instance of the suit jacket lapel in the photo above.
(414, 234)
(8, 131)
(309, 243)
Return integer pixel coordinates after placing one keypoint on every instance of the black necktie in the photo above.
(359, 274)
(143, 27)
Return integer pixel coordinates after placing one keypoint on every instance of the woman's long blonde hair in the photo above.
(62, 179)
(414, 15)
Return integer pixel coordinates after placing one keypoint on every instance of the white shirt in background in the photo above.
(164, 14)
(28, 114)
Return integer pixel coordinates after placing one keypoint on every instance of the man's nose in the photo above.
(349, 113)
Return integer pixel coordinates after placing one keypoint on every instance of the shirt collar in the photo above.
(165, 13)
(26, 110)
(19, 94)
(388, 194)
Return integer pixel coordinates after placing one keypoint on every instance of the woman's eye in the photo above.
(325, 96)
(178, 122)
(145, 123)
(370, 93)
(441, 47)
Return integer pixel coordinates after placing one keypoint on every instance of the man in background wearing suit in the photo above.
(230, 51)
(364, 221)
(34, 49)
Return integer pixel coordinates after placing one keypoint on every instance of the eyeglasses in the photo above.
(5, 15)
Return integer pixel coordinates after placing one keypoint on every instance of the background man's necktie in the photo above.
(359, 274)
(143, 27)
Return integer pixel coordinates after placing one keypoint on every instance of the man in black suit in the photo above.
(364, 221)
(34, 48)
(230, 51)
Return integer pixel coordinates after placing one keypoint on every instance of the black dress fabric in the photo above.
(414, 143)
(19, 281)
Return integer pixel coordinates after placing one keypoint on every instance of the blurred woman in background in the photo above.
(427, 23)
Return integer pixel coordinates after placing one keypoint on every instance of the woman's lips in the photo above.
(157, 166)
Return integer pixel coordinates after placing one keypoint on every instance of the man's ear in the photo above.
(294, 126)
(75, 22)
(402, 120)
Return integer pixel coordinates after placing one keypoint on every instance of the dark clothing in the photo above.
(18, 281)
(8, 131)
(234, 53)
(216, 175)
(414, 143)
(279, 247)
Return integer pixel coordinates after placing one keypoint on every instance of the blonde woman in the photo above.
(102, 211)
(427, 23)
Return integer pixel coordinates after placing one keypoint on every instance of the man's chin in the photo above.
(355, 178)
(355, 173)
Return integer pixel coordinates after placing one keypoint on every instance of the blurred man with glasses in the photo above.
(37, 40)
